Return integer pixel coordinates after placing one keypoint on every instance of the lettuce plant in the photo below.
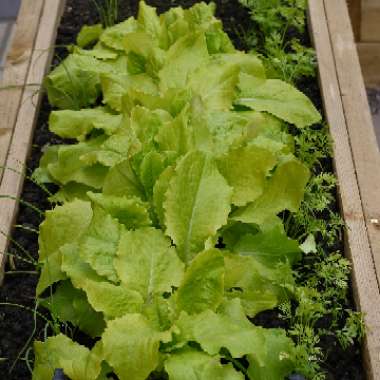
(166, 237)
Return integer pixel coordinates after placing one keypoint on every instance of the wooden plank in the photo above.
(357, 247)
(12, 181)
(16, 70)
(370, 25)
(369, 56)
(365, 150)
(355, 8)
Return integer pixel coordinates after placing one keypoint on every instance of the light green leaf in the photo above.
(309, 245)
(146, 262)
(203, 284)
(159, 193)
(112, 300)
(187, 54)
(246, 170)
(99, 245)
(69, 164)
(59, 351)
(191, 364)
(148, 20)
(131, 212)
(71, 192)
(116, 86)
(51, 271)
(214, 331)
(75, 83)
(215, 81)
(64, 224)
(257, 286)
(281, 100)
(89, 34)
(113, 37)
(131, 347)
(197, 203)
(270, 247)
(78, 124)
(121, 180)
(283, 191)
(71, 305)
(279, 360)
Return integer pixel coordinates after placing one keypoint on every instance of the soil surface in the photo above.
(19, 324)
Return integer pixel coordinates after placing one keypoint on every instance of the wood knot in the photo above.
(18, 55)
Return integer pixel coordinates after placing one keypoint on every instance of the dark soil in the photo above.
(18, 324)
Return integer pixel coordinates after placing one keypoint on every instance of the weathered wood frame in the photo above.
(26, 65)
(357, 159)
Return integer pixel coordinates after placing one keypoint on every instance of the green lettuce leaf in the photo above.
(127, 343)
(89, 34)
(197, 204)
(146, 262)
(78, 124)
(246, 170)
(70, 305)
(190, 364)
(61, 352)
(203, 284)
(283, 191)
(280, 99)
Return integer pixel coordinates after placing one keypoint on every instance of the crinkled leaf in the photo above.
(159, 193)
(78, 124)
(89, 34)
(281, 100)
(187, 54)
(68, 164)
(283, 191)
(112, 300)
(197, 203)
(121, 180)
(113, 37)
(71, 305)
(203, 284)
(279, 360)
(51, 271)
(129, 342)
(75, 83)
(191, 364)
(146, 262)
(62, 225)
(216, 81)
(99, 244)
(214, 331)
(77, 362)
(131, 212)
(246, 170)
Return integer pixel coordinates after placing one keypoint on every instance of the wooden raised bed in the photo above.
(27, 63)
(357, 160)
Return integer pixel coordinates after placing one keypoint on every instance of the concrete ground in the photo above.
(8, 15)
(374, 102)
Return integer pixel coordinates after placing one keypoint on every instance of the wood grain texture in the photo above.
(370, 25)
(358, 249)
(369, 56)
(365, 150)
(12, 181)
(15, 71)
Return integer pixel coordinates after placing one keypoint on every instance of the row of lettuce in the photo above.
(168, 236)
